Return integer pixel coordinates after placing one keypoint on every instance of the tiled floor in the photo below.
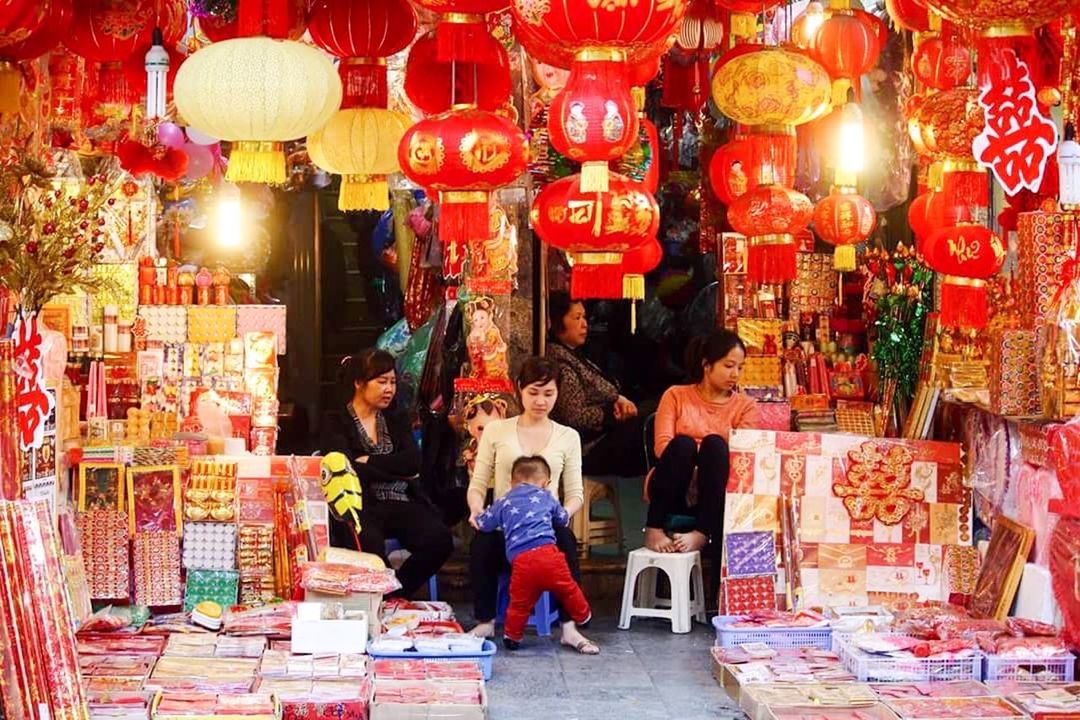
(645, 673)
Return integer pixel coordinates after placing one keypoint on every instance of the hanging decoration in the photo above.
(434, 86)
(463, 155)
(744, 15)
(771, 86)
(595, 229)
(300, 92)
(967, 254)
(460, 33)
(739, 166)
(847, 45)
(941, 62)
(360, 140)
(56, 17)
(771, 216)
(844, 219)
(911, 15)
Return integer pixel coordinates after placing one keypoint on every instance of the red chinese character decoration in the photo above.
(34, 403)
(1018, 138)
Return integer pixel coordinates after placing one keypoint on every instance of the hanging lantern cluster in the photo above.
(847, 44)
(298, 92)
(769, 91)
(28, 34)
(360, 140)
(593, 119)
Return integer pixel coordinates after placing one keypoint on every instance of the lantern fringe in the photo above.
(10, 87)
(771, 263)
(464, 42)
(363, 85)
(461, 221)
(844, 259)
(600, 282)
(359, 192)
(594, 176)
(257, 163)
(633, 287)
(964, 303)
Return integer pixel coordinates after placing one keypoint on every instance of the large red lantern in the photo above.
(435, 86)
(19, 19)
(753, 159)
(949, 122)
(844, 219)
(967, 254)
(55, 24)
(595, 229)
(461, 23)
(279, 19)
(110, 31)
(942, 63)
(770, 216)
(847, 46)
(363, 33)
(593, 120)
(930, 212)
(909, 14)
(463, 155)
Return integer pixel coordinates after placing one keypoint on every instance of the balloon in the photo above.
(170, 135)
(199, 138)
(200, 161)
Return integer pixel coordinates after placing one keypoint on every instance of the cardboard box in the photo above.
(311, 635)
(757, 699)
(870, 712)
(401, 711)
(370, 603)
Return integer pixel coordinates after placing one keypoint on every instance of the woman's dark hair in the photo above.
(538, 371)
(707, 349)
(365, 366)
(559, 304)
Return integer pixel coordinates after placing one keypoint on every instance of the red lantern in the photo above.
(282, 19)
(686, 80)
(111, 31)
(941, 63)
(55, 25)
(949, 122)
(770, 216)
(595, 229)
(363, 33)
(909, 14)
(847, 46)
(461, 24)
(750, 160)
(965, 188)
(626, 281)
(844, 219)
(593, 119)
(463, 155)
(967, 255)
(643, 72)
(435, 86)
(19, 19)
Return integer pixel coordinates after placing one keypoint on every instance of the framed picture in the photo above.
(154, 499)
(101, 485)
(999, 577)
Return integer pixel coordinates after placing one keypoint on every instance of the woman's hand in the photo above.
(474, 519)
(624, 409)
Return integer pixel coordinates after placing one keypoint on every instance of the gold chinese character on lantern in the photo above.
(426, 153)
(483, 151)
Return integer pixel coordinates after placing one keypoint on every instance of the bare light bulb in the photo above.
(229, 218)
(851, 144)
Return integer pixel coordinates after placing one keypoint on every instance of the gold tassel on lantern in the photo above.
(594, 176)
(633, 289)
(844, 259)
(257, 162)
(362, 192)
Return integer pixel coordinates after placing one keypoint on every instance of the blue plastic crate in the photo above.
(869, 667)
(776, 638)
(484, 658)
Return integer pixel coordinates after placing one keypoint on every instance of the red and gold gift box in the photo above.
(1045, 244)
(1014, 386)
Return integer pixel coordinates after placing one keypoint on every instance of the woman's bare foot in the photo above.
(692, 541)
(484, 630)
(572, 638)
(658, 541)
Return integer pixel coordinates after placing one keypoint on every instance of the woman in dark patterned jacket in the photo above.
(609, 424)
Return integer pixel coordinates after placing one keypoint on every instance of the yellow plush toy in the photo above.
(341, 487)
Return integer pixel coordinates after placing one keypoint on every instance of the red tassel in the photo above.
(602, 282)
(462, 38)
(964, 303)
(113, 87)
(463, 216)
(771, 262)
(363, 83)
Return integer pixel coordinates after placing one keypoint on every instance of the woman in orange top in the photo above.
(693, 423)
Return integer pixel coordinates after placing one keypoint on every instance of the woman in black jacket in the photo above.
(386, 458)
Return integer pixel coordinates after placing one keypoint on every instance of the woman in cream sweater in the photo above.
(504, 441)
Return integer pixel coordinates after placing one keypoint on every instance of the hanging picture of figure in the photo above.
(485, 343)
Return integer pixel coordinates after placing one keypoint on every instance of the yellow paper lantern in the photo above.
(257, 93)
(360, 144)
(771, 86)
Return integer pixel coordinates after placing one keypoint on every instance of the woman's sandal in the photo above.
(585, 647)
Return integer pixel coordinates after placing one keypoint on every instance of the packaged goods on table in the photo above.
(1058, 702)
(989, 708)
(872, 712)
(220, 675)
(394, 699)
(955, 689)
(756, 700)
(895, 658)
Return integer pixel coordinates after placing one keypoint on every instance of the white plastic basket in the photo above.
(868, 667)
(1043, 670)
(776, 638)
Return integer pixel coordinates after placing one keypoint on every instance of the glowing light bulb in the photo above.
(851, 144)
(230, 222)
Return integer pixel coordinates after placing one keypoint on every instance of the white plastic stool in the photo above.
(683, 571)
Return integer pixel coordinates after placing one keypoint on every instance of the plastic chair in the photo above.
(687, 602)
(544, 615)
(392, 545)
